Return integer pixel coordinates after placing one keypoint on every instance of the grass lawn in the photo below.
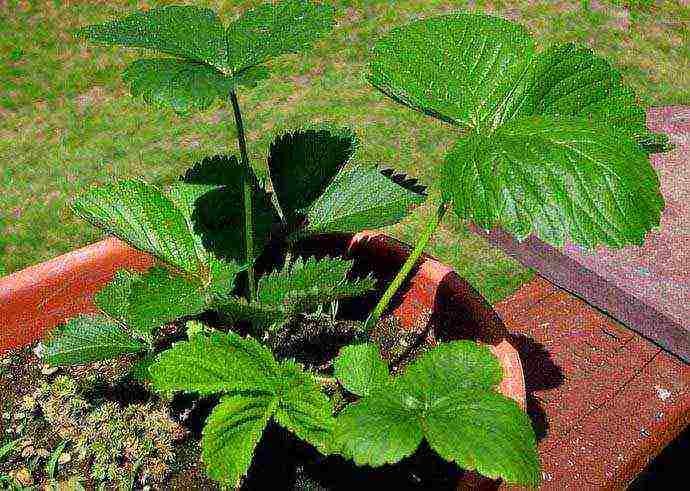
(67, 120)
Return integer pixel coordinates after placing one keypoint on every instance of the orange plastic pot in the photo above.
(36, 299)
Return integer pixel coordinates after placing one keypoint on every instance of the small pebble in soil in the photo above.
(28, 451)
(23, 476)
(64, 458)
(48, 370)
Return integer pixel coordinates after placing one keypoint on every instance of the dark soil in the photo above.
(36, 405)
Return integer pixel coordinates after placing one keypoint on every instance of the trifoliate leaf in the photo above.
(360, 369)
(231, 434)
(89, 338)
(561, 179)
(359, 198)
(377, 430)
(303, 408)
(140, 214)
(215, 363)
(271, 30)
(303, 163)
(448, 397)
(456, 67)
(147, 301)
(190, 32)
(185, 85)
(486, 432)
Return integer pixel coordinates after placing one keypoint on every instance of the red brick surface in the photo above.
(603, 400)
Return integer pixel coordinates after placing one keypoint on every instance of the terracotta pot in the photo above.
(36, 299)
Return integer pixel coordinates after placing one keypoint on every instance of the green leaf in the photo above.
(89, 338)
(215, 363)
(149, 300)
(446, 396)
(456, 67)
(185, 85)
(486, 432)
(377, 430)
(302, 408)
(211, 197)
(360, 369)
(304, 284)
(557, 178)
(359, 198)
(271, 30)
(569, 80)
(261, 316)
(303, 163)
(189, 32)
(231, 434)
(479, 71)
(140, 214)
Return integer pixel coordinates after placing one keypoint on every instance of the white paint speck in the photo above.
(662, 393)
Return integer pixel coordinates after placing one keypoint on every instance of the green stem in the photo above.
(394, 285)
(248, 198)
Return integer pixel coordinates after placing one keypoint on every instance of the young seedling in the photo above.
(553, 144)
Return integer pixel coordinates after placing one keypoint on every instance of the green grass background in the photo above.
(67, 121)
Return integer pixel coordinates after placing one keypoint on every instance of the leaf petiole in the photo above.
(397, 282)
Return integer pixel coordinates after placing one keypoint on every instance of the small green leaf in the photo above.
(185, 85)
(52, 461)
(455, 67)
(446, 396)
(8, 448)
(360, 369)
(231, 434)
(271, 30)
(303, 408)
(215, 363)
(486, 432)
(89, 338)
(140, 214)
(303, 163)
(190, 32)
(359, 198)
(561, 179)
(147, 301)
(377, 430)
(261, 316)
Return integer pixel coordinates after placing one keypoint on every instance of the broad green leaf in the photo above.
(215, 363)
(271, 30)
(570, 80)
(446, 396)
(486, 432)
(211, 197)
(360, 369)
(557, 178)
(149, 300)
(456, 67)
(303, 163)
(231, 434)
(377, 430)
(184, 85)
(359, 198)
(303, 408)
(140, 214)
(89, 338)
(190, 32)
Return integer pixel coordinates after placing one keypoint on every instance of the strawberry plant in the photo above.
(551, 143)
